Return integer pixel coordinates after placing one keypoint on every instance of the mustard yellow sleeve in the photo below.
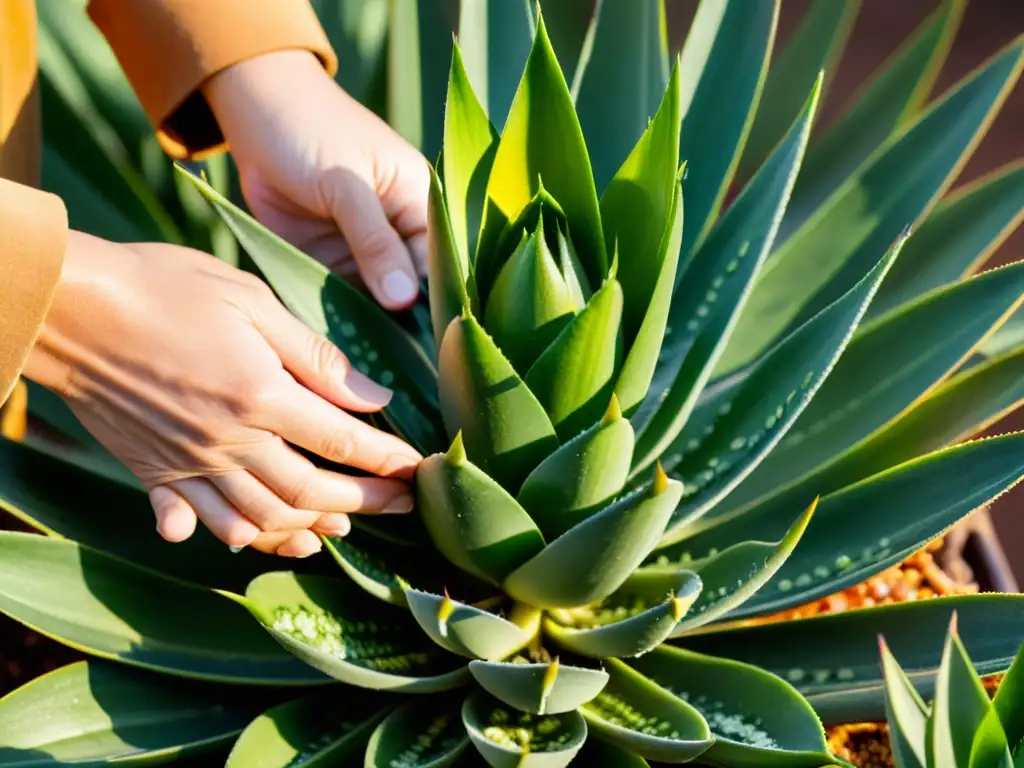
(169, 48)
(33, 237)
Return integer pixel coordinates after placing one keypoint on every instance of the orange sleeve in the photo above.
(169, 48)
(33, 237)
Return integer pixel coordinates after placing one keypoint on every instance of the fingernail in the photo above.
(339, 530)
(399, 505)
(367, 389)
(399, 287)
(236, 550)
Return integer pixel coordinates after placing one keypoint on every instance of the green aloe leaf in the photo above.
(602, 754)
(637, 206)
(707, 302)
(97, 713)
(990, 747)
(1010, 335)
(470, 142)
(495, 36)
(334, 627)
(722, 447)
(1009, 701)
(959, 236)
(756, 718)
(321, 729)
(961, 705)
(470, 631)
(905, 713)
(896, 187)
(731, 577)
(472, 520)
(551, 688)
(425, 733)
(530, 302)
(581, 476)
(510, 739)
(542, 144)
(447, 267)
(622, 85)
(893, 96)
(639, 716)
(66, 501)
(833, 659)
(815, 46)
(573, 378)
(505, 429)
(888, 366)
(723, 66)
(595, 558)
(618, 628)
(374, 343)
(863, 529)
(110, 608)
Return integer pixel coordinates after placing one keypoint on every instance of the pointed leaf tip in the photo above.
(953, 624)
(614, 412)
(547, 685)
(660, 483)
(457, 453)
(679, 606)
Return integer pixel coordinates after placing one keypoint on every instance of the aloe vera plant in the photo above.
(963, 727)
(651, 418)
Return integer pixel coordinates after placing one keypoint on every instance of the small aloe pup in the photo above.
(963, 727)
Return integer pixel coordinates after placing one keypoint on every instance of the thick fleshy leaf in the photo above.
(707, 302)
(833, 659)
(542, 144)
(723, 67)
(322, 729)
(756, 718)
(580, 477)
(495, 36)
(505, 429)
(619, 628)
(475, 523)
(636, 208)
(602, 754)
(353, 321)
(815, 46)
(592, 560)
(470, 631)
(1009, 700)
(427, 732)
(112, 609)
(888, 366)
(635, 714)
(894, 95)
(448, 269)
(573, 378)
(956, 239)
(509, 739)
(832, 250)
(335, 627)
(529, 303)
(905, 713)
(551, 688)
(470, 142)
(96, 713)
(1009, 336)
(623, 84)
(733, 576)
(727, 441)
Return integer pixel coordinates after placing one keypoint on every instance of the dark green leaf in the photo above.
(96, 713)
(505, 429)
(510, 739)
(425, 733)
(539, 688)
(601, 754)
(471, 519)
(321, 729)
(905, 713)
(113, 609)
(447, 267)
(756, 718)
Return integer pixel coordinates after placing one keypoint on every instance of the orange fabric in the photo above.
(169, 48)
(19, 96)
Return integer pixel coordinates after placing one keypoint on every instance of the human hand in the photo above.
(324, 172)
(197, 378)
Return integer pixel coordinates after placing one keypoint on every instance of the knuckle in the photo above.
(338, 446)
(303, 494)
(326, 357)
(372, 246)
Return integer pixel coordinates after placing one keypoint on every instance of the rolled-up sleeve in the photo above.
(33, 237)
(169, 48)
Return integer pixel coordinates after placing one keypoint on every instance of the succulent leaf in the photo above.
(447, 268)
(906, 714)
(471, 519)
(540, 688)
(1009, 701)
(426, 732)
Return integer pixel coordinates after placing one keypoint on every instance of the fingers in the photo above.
(266, 509)
(319, 365)
(304, 486)
(175, 519)
(307, 420)
(224, 521)
(385, 262)
(288, 543)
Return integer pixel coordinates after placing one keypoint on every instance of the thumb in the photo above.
(384, 262)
